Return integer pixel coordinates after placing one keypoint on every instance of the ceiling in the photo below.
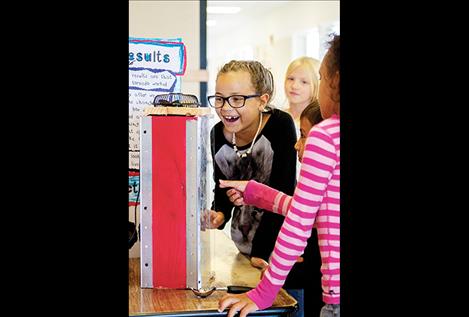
(249, 10)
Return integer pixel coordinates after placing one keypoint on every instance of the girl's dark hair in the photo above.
(333, 53)
(333, 59)
(312, 113)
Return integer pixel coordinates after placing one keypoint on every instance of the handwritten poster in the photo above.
(155, 67)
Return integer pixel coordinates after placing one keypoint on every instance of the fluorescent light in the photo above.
(223, 10)
(211, 23)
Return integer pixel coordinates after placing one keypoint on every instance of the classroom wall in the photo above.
(271, 36)
(168, 19)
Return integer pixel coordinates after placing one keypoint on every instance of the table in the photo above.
(228, 266)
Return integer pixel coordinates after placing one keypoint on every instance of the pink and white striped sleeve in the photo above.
(265, 197)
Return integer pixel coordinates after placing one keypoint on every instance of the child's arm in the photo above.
(257, 194)
(267, 198)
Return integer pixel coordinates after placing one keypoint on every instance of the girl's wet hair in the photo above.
(312, 66)
(312, 113)
(261, 78)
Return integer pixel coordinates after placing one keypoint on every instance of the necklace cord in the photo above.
(233, 141)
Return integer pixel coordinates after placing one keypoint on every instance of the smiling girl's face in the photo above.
(244, 119)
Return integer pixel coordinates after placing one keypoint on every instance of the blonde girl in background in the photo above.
(301, 85)
(301, 88)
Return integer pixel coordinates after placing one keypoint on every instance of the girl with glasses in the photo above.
(253, 140)
(249, 142)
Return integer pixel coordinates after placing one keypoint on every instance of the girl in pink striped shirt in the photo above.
(316, 202)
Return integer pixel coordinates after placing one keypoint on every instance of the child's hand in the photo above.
(236, 197)
(216, 218)
(238, 302)
(235, 194)
(259, 263)
(211, 219)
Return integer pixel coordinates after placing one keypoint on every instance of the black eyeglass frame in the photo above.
(245, 97)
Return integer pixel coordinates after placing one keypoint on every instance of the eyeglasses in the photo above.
(235, 101)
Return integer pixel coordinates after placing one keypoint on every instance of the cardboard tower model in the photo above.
(173, 171)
